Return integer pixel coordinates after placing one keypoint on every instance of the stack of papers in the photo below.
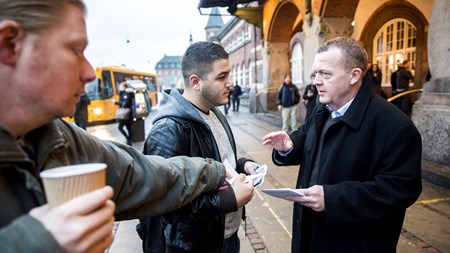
(282, 193)
(258, 178)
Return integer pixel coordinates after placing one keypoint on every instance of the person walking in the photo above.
(360, 160)
(192, 125)
(287, 100)
(403, 77)
(43, 71)
(310, 96)
(226, 106)
(126, 100)
(81, 111)
(236, 93)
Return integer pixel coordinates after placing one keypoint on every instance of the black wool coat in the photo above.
(370, 170)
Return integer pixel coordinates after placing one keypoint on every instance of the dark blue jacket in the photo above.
(288, 95)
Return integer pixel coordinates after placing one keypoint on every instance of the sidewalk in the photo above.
(426, 227)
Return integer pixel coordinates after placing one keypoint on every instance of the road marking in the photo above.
(431, 201)
(274, 214)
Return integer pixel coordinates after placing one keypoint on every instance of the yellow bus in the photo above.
(104, 91)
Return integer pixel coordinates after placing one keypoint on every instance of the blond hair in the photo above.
(36, 15)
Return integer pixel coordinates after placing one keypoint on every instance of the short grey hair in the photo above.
(353, 53)
(36, 15)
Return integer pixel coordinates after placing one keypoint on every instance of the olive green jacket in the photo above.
(143, 185)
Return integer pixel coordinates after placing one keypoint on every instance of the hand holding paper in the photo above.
(258, 177)
(282, 193)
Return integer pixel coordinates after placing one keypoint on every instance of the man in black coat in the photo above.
(404, 76)
(360, 161)
(236, 93)
(310, 96)
(81, 114)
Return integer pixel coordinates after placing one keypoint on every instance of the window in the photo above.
(394, 43)
(297, 64)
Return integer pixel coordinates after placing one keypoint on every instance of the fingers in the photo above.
(88, 232)
(313, 198)
(83, 224)
(239, 178)
(99, 239)
(249, 167)
(91, 201)
(228, 175)
(243, 191)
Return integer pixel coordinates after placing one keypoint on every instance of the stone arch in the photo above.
(338, 8)
(281, 27)
(279, 35)
(400, 9)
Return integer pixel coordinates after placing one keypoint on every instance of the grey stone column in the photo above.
(431, 113)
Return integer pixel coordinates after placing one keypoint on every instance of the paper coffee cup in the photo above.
(67, 182)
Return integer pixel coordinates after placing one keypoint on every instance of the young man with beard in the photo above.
(191, 124)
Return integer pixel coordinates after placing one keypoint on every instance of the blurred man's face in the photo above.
(287, 79)
(55, 65)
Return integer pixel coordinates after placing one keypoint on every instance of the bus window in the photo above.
(92, 90)
(106, 89)
(150, 85)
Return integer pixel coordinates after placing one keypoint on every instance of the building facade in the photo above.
(168, 72)
(243, 41)
(390, 30)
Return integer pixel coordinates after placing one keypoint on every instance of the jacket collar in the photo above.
(44, 139)
(355, 113)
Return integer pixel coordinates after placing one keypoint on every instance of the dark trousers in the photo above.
(405, 104)
(231, 244)
(128, 135)
(236, 102)
(226, 107)
(80, 123)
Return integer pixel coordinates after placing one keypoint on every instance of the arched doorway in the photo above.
(394, 42)
(400, 13)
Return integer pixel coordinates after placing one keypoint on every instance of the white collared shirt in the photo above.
(341, 111)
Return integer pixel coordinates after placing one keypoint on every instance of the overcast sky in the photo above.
(153, 28)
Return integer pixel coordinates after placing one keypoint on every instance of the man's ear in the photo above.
(11, 34)
(356, 74)
(194, 82)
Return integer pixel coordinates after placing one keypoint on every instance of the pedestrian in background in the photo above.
(43, 71)
(394, 81)
(81, 114)
(226, 106)
(287, 100)
(375, 80)
(191, 125)
(236, 93)
(360, 161)
(126, 100)
(310, 96)
(403, 77)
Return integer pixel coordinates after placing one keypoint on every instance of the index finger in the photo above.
(89, 202)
